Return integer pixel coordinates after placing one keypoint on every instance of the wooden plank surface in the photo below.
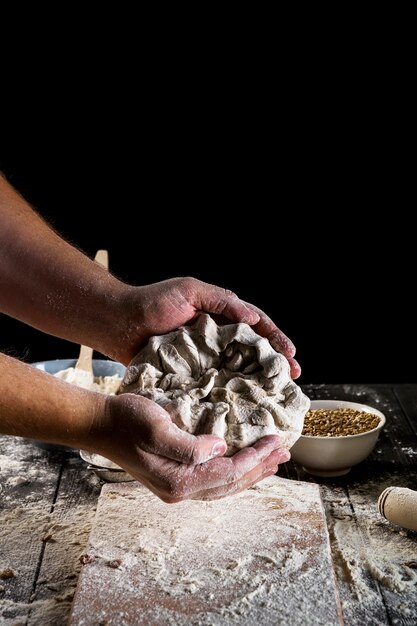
(370, 554)
(28, 482)
(47, 488)
(261, 557)
(46, 506)
(65, 538)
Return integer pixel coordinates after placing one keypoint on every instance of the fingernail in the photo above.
(295, 369)
(251, 317)
(279, 456)
(273, 440)
(283, 456)
(282, 344)
(290, 349)
(219, 448)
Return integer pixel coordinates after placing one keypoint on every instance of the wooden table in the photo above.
(48, 501)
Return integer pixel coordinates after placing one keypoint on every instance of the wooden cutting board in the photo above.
(260, 557)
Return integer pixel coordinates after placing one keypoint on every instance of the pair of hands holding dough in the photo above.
(49, 284)
(139, 435)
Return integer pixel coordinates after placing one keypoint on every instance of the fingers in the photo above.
(276, 337)
(152, 425)
(212, 299)
(294, 368)
(278, 340)
(178, 445)
(219, 301)
(268, 468)
(220, 476)
(169, 441)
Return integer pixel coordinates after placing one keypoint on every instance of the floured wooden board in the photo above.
(260, 557)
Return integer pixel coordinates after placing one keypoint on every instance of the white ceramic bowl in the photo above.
(101, 367)
(334, 456)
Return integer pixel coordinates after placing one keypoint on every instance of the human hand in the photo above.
(266, 328)
(140, 436)
(78, 300)
(162, 307)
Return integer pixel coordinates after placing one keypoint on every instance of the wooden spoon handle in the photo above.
(85, 359)
(102, 258)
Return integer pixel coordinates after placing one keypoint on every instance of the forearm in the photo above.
(36, 405)
(49, 284)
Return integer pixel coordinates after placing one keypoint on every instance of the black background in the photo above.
(313, 231)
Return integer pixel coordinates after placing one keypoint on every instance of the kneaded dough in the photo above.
(222, 380)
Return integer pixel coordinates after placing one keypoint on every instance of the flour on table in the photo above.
(373, 558)
(261, 557)
(221, 380)
(27, 525)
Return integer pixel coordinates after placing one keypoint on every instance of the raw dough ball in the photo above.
(223, 380)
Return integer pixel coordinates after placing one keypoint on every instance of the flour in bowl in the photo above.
(103, 384)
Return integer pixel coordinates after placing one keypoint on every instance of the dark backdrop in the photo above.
(334, 268)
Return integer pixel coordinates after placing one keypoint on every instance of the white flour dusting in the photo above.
(372, 558)
(58, 576)
(261, 557)
(103, 384)
(15, 466)
(29, 527)
(380, 552)
(409, 451)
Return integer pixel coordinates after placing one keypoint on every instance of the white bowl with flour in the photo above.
(106, 376)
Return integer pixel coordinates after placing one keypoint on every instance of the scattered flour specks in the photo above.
(255, 558)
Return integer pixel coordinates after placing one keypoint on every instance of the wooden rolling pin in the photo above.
(399, 505)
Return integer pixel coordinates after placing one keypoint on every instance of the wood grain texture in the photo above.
(370, 555)
(47, 501)
(55, 485)
(27, 475)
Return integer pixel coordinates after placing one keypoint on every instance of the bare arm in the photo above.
(134, 432)
(49, 284)
(39, 406)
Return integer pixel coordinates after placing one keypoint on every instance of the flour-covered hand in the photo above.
(139, 435)
(162, 307)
